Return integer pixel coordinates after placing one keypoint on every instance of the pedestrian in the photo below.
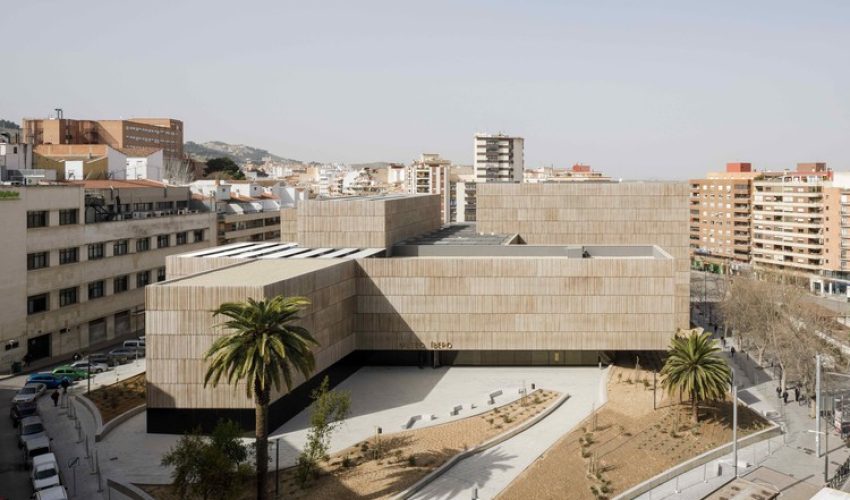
(64, 385)
(785, 397)
(778, 391)
(77, 356)
(723, 341)
(732, 350)
(797, 393)
(55, 397)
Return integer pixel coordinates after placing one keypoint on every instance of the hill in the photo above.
(239, 153)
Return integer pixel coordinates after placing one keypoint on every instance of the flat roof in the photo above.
(375, 197)
(279, 250)
(256, 272)
(458, 234)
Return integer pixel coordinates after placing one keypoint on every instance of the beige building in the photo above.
(551, 275)
(158, 133)
(430, 175)
(76, 257)
(789, 221)
(499, 158)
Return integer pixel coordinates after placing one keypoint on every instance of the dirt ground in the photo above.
(115, 399)
(372, 470)
(627, 442)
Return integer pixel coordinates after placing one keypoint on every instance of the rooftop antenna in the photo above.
(59, 113)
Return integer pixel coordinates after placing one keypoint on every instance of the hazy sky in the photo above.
(637, 89)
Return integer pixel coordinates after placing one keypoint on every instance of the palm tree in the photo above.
(694, 365)
(263, 345)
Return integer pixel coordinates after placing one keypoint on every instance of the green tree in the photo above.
(330, 408)
(210, 468)
(694, 366)
(264, 347)
(224, 166)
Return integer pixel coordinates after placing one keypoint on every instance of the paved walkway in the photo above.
(794, 453)
(492, 470)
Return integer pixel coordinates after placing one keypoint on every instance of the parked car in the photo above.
(138, 345)
(50, 380)
(29, 392)
(22, 410)
(72, 373)
(52, 493)
(86, 366)
(123, 355)
(30, 428)
(37, 447)
(99, 357)
(45, 472)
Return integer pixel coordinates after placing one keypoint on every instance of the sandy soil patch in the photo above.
(115, 399)
(372, 469)
(626, 442)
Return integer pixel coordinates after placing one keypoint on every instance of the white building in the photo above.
(498, 158)
(142, 166)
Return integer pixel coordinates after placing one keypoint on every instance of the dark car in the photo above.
(123, 355)
(22, 410)
(50, 380)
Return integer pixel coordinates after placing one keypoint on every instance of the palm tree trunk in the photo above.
(694, 410)
(261, 411)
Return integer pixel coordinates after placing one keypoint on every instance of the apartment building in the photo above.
(387, 283)
(788, 224)
(76, 257)
(430, 175)
(720, 217)
(498, 158)
(246, 211)
(158, 133)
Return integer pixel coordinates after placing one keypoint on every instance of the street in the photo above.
(16, 482)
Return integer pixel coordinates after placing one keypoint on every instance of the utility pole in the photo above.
(818, 403)
(735, 427)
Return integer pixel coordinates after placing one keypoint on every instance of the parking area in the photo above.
(15, 478)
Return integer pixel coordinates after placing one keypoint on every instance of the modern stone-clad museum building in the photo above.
(550, 274)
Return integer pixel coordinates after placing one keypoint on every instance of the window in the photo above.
(160, 274)
(68, 255)
(67, 217)
(37, 218)
(67, 296)
(143, 244)
(162, 241)
(164, 205)
(143, 278)
(38, 260)
(182, 238)
(121, 247)
(38, 303)
(96, 251)
(121, 284)
(96, 289)
(199, 235)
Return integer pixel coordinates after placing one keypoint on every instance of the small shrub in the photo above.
(536, 400)
(347, 462)
(411, 460)
(585, 453)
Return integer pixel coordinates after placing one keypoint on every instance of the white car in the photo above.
(37, 447)
(52, 493)
(29, 392)
(84, 366)
(30, 428)
(45, 472)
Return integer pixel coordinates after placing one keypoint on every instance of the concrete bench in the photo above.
(416, 418)
(494, 395)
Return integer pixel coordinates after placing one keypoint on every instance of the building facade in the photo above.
(788, 224)
(551, 275)
(430, 175)
(158, 133)
(498, 158)
(720, 217)
(77, 257)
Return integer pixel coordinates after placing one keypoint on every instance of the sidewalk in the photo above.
(794, 453)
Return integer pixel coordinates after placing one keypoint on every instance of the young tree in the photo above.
(223, 166)
(330, 408)
(694, 366)
(210, 468)
(264, 346)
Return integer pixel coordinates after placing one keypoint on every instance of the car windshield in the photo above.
(27, 410)
(39, 451)
(28, 390)
(32, 429)
(45, 473)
